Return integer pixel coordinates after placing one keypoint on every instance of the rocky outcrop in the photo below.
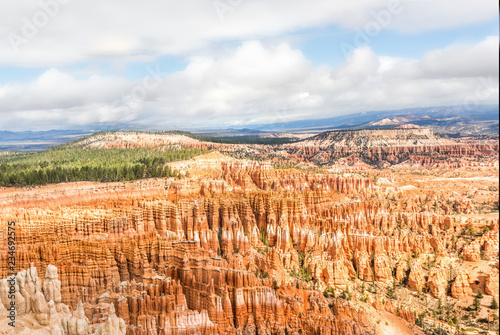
(416, 279)
(472, 252)
(40, 300)
(437, 282)
(239, 247)
(391, 307)
(77, 323)
(391, 146)
(489, 243)
(491, 284)
(345, 150)
(460, 287)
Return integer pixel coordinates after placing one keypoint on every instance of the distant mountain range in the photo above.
(452, 121)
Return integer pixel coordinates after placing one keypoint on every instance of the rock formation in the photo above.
(239, 246)
(41, 300)
(491, 285)
(460, 287)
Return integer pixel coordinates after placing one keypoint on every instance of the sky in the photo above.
(184, 64)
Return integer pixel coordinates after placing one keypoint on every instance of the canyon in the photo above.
(345, 232)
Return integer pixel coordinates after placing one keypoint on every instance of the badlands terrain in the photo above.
(390, 231)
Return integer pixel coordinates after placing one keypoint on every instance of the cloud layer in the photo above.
(56, 32)
(239, 69)
(254, 83)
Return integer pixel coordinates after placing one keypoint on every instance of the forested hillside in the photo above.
(66, 164)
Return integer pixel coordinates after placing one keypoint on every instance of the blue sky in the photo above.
(319, 48)
(171, 64)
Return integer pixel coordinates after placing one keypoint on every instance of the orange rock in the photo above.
(460, 286)
(491, 284)
(472, 251)
(416, 279)
(229, 250)
(437, 282)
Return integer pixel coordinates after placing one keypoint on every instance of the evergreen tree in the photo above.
(494, 304)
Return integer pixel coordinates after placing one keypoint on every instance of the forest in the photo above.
(240, 139)
(67, 163)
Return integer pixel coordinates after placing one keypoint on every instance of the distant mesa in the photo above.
(386, 122)
(408, 126)
(399, 121)
(405, 135)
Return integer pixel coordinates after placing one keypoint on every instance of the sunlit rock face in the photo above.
(242, 247)
(39, 309)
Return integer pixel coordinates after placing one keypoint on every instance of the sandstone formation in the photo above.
(41, 300)
(352, 150)
(390, 146)
(460, 287)
(244, 247)
(416, 279)
(472, 252)
(491, 285)
(437, 282)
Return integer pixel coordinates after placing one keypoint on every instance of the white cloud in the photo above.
(427, 15)
(254, 83)
(80, 31)
(463, 60)
(54, 89)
